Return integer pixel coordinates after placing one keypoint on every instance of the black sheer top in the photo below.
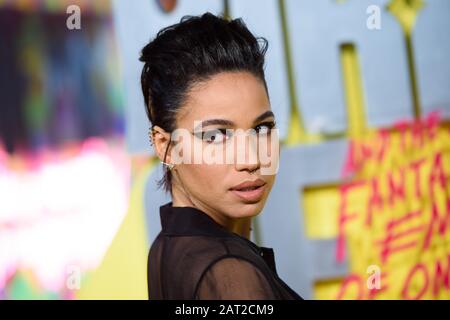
(194, 257)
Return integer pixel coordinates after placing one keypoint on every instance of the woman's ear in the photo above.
(161, 141)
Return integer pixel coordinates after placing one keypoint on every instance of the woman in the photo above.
(203, 80)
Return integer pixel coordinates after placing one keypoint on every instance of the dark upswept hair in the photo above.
(189, 52)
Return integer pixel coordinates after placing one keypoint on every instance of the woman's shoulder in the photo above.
(187, 252)
(199, 245)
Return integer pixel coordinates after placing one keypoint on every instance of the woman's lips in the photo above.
(250, 195)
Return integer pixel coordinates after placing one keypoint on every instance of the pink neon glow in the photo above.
(64, 212)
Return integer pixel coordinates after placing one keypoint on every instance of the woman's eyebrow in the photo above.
(263, 116)
(230, 123)
(210, 122)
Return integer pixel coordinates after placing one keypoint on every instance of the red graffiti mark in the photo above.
(354, 279)
(418, 268)
(435, 278)
(437, 221)
(441, 277)
(402, 127)
(414, 134)
(432, 121)
(384, 136)
(344, 217)
(396, 187)
(350, 163)
(368, 160)
(389, 244)
(437, 175)
(416, 166)
(420, 280)
(375, 201)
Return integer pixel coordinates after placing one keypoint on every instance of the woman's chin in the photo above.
(246, 210)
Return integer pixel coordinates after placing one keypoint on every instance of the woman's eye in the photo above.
(264, 128)
(215, 136)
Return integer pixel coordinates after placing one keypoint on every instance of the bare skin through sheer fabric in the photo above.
(234, 279)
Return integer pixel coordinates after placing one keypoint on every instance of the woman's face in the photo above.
(234, 100)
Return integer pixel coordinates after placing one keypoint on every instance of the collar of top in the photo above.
(190, 221)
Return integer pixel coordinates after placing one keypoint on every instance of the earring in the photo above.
(168, 165)
(150, 136)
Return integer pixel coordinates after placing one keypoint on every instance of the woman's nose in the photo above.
(247, 153)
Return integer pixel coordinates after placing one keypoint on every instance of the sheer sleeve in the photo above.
(233, 278)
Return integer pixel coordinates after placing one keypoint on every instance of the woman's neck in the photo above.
(240, 226)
